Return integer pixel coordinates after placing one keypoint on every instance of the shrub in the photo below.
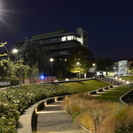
(14, 101)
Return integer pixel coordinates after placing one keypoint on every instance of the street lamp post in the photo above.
(78, 71)
(15, 51)
(51, 60)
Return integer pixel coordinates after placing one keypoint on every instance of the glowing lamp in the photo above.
(42, 77)
(127, 82)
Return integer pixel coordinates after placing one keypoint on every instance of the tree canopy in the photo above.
(80, 60)
(104, 64)
(101, 64)
(34, 52)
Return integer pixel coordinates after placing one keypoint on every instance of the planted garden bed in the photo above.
(99, 116)
(14, 101)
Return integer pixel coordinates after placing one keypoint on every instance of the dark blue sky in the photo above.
(109, 23)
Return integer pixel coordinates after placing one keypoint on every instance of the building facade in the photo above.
(58, 43)
(121, 68)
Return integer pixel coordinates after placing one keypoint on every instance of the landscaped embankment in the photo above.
(14, 101)
(99, 116)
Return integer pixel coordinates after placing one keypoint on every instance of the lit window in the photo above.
(69, 37)
(64, 38)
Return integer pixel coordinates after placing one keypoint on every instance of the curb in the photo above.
(77, 123)
(123, 96)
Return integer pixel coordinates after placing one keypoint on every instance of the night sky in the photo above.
(109, 23)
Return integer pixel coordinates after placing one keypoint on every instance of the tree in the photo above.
(80, 60)
(14, 70)
(59, 74)
(34, 52)
(17, 71)
(34, 72)
(101, 64)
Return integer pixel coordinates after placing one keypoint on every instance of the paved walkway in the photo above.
(53, 119)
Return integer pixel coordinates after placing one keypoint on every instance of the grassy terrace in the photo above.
(114, 94)
(84, 86)
(128, 78)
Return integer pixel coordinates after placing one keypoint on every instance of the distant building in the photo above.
(59, 43)
(121, 68)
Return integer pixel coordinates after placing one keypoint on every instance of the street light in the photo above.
(77, 63)
(51, 60)
(15, 51)
(78, 71)
(93, 64)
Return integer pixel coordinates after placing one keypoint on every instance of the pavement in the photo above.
(54, 119)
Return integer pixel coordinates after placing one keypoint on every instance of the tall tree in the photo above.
(34, 52)
(80, 60)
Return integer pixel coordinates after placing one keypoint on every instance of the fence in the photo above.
(38, 80)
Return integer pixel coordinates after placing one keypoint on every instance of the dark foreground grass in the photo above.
(114, 95)
(128, 78)
(85, 86)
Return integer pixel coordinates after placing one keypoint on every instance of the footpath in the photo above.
(54, 119)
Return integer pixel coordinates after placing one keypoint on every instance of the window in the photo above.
(69, 37)
(62, 52)
(63, 38)
(53, 39)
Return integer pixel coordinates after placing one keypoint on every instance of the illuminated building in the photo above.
(59, 43)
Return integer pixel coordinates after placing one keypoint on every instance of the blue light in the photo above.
(42, 77)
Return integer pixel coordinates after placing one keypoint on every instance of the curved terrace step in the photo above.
(29, 119)
(54, 119)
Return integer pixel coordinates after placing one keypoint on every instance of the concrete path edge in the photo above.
(25, 120)
(123, 96)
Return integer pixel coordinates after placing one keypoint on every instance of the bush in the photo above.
(14, 101)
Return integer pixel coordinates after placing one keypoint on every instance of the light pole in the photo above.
(51, 60)
(15, 51)
(78, 70)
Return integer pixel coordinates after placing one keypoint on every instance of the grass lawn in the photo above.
(128, 78)
(85, 86)
(114, 94)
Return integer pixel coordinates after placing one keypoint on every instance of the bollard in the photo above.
(55, 99)
(45, 103)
